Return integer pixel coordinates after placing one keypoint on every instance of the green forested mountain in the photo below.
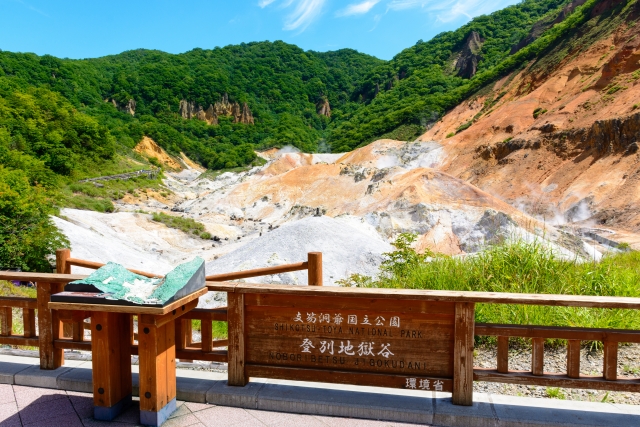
(280, 83)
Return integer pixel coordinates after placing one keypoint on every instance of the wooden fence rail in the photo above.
(61, 330)
(58, 330)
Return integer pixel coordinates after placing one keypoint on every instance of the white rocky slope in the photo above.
(346, 250)
(350, 207)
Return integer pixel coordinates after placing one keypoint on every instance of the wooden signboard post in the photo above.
(351, 338)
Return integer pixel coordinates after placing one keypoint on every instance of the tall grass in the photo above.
(519, 268)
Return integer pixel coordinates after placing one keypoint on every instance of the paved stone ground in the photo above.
(31, 406)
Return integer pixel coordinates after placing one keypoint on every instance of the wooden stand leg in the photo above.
(48, 327)
(157, 359)
(111, 361)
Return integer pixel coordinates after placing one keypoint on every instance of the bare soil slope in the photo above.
(560, 137)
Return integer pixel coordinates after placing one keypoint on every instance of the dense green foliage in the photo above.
(519, 268)
(280, 83)
(27, 234)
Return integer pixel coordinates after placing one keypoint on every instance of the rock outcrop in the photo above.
(187, 109)
(240, 114)
(323, 108)
(149, 148)
(466, 64)
(129, 107)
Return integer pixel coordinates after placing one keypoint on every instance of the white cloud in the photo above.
(304, 13)
(449, 10)
(27, 5)
(357, 8)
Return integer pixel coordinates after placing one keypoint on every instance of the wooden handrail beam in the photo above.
(430, 295)
(20, 340)
(40, 277)
(556, 380)
(19, 302)
(96, 265)
(258, 272)
(557, 332)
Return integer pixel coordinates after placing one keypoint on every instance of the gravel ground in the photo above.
(555, 360)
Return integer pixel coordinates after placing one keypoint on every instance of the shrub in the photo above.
(464, 126)
(538, 112)
(186, 225)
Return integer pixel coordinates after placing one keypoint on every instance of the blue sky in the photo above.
(93, 28)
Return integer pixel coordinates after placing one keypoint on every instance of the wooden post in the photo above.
(157, 358)
(183, 333)
(503, 354)
(133, 334)
(206, 332)
(573, 358)
(48, 327)
(62, 267)
(235, 316)
(77, 326)
(610, 368)
(537, 356)
(111, 362)
(314, 272)
(29, 320)
(463, 354)
(6, 321)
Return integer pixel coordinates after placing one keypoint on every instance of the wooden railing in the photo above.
(610, 339)
(59, 330)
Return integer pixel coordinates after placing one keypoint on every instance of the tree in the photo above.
(27, 233)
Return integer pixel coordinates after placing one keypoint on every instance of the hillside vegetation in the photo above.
(517, 268)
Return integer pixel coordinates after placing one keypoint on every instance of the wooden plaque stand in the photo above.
(111, 336)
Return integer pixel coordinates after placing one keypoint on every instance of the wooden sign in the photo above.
(405, 344)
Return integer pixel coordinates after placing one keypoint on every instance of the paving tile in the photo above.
(354, 422)
(6, 394)
(131, 415)
(66, 420)
(195, 407)
(182, 421)
(9, 415)
(271, 418)
(27, 395)
(181, 409)
(90, 422)
(296, 420)
(82, 403)
(40, 411)
(228, 415)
